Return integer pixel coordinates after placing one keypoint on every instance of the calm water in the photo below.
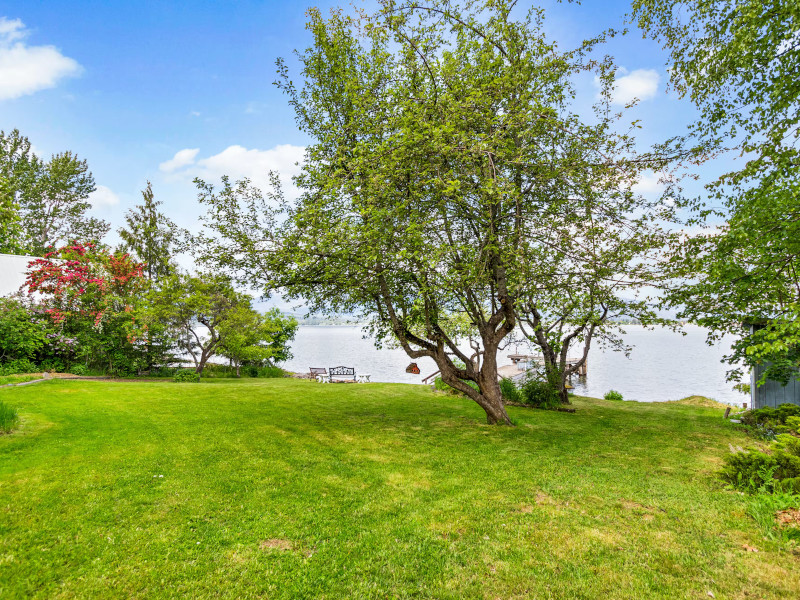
(663, 365)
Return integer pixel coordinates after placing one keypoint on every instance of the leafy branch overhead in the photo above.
(738, 62)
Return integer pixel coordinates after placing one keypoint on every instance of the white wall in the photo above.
(12, 272)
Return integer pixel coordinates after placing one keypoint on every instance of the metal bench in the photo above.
(342, 373)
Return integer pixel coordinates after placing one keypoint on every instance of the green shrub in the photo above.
(793, 424)
(539, 393)
(748, 470)
(52, 364)
(271, 372)
(22, 365)
(8, 418)
(769, 415)
(755, 470)
(265, 372)
(441, 386)
(613, 395)
(187, 376)
(79, 369)
(509, 390)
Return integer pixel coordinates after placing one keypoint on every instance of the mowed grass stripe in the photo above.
(291, 489)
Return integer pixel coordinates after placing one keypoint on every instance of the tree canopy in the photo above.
(449, 185)
(738, 61)
(50, 198)
(150, 236)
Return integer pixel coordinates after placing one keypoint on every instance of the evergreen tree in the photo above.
(150, 236)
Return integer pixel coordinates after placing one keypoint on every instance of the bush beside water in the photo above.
(539, 393)
(613, 395)
(509, 390)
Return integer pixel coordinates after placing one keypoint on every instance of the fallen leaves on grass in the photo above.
(789, 517)
(275, 544)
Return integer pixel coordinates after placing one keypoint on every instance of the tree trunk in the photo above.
(495, 409)
(237, 369)
(489, 398)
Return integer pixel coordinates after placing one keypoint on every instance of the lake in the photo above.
(664, 365)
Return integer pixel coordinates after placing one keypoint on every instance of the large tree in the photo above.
(250, 337)
(738, 62)
(51, 197)
(447, 184)
(10, 227)
(197, 309)
(150, 236)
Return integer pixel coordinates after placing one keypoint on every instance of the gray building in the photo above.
(772, 393)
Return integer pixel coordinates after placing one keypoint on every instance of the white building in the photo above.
(12, 272)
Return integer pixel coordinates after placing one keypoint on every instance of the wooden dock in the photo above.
(523, 362)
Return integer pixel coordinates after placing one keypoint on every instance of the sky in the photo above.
(166, 91)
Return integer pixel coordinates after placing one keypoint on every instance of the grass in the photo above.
(9, 379)
(9, 419)
(290, 489)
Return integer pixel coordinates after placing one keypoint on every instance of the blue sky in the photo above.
(164, 91)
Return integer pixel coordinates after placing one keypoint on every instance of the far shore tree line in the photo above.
(453, 190)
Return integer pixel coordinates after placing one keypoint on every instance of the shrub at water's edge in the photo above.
(613, 395)
(509, 390)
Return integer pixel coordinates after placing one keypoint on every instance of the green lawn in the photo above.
(291, 489)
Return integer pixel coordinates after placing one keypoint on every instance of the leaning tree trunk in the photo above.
(488, 396)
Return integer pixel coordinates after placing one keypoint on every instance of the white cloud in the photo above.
(238, 162)
(641, 84)
(27, 69)
(102, 197)
(649, 183)
(11, 30)
(182, 158)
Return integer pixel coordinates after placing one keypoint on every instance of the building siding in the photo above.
(772, 393)
(12, 272)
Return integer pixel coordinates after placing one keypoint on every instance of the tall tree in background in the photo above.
(150, 236)
(10, 228)
(738, 61)
(52, 197)
(448, 183)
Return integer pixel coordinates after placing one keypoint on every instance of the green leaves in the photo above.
(738, 61)
(50, 198)
(151, 236)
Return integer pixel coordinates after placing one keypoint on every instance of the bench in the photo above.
(342, 373)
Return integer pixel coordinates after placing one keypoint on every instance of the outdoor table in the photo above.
(364, 378)
(324, 378)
